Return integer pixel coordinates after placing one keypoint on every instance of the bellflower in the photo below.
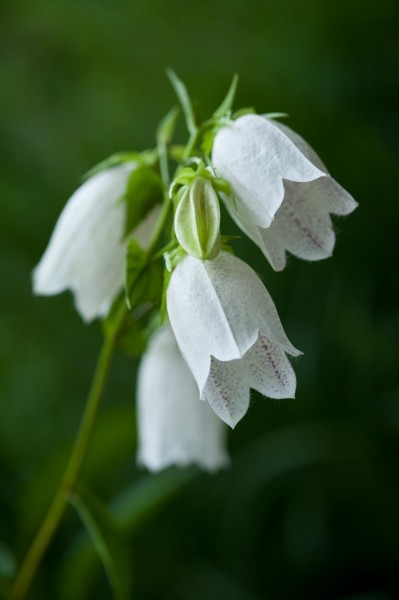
(302, 223)
(229, 333)
(86, 252)
(174, 425)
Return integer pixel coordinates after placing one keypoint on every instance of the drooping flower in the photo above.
(174, 425)
(302, 223)
(255, 156)
(229, 333)
(86, 252)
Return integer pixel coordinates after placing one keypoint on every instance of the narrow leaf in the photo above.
(227, 103)
(107, 540)
(167, 126)
(184, 99)
(143, 191)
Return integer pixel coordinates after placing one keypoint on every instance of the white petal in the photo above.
(227, 390)
(336, 199)
(175, 426)
(86, 252)
(255, 156)
(303, 225)
(265, 368)
(269, 369)
(217, 308)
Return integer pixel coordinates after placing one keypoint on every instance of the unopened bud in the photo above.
(197, 220)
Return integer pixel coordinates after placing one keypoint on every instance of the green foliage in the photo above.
(143, 191)
(184, 99)
(167, 126)
(108, 541)
(143, 279)
(227, 103)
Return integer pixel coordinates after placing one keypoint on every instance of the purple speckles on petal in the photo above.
(264, 368)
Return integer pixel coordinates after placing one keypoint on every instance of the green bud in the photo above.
(197, 220)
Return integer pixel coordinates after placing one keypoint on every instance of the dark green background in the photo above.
(309, 507)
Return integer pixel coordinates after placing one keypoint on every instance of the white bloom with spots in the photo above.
(230, 334)
(302, 224)
(86, 252)
(174, 425)
(255, 157)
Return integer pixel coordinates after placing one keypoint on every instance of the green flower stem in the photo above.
(72, 471)
(68, 481)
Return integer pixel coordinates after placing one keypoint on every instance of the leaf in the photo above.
(130, 510)
(143, 191)
(107, 540)
(143, 281)
(227, 103)
(167, 127)
(184, 99)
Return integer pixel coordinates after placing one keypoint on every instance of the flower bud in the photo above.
(197, 220)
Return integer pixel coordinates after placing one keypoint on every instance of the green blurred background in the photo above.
(309, 507)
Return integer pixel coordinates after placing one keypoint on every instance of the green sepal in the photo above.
(227, 103)
(143, 191)
(143, 282)
(167, 274)
(247, 110)
(107, 539)
(173, 258)
(167, 126)
(147, 157)
(275, 115)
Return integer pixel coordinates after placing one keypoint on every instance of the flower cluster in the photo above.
(220, 334)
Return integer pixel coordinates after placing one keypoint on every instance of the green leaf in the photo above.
(143, 281)
(167, 127)
(184, 99)
(227, 103)
(143, 191)
(108, 541)
(131, 509)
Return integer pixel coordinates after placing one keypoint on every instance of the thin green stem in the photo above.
(69, 479)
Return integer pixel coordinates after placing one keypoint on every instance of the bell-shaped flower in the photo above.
(302, 224)
(86, 252)
(174, 425)
(229, 333)
(255, 157)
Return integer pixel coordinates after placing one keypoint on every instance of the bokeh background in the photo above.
(309, 507)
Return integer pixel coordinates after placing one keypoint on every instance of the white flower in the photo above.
(229, 332)
(302, 224)
(255, 156)
(86, 252)
(174, 425)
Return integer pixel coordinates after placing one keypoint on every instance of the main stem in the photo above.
(68, 481)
